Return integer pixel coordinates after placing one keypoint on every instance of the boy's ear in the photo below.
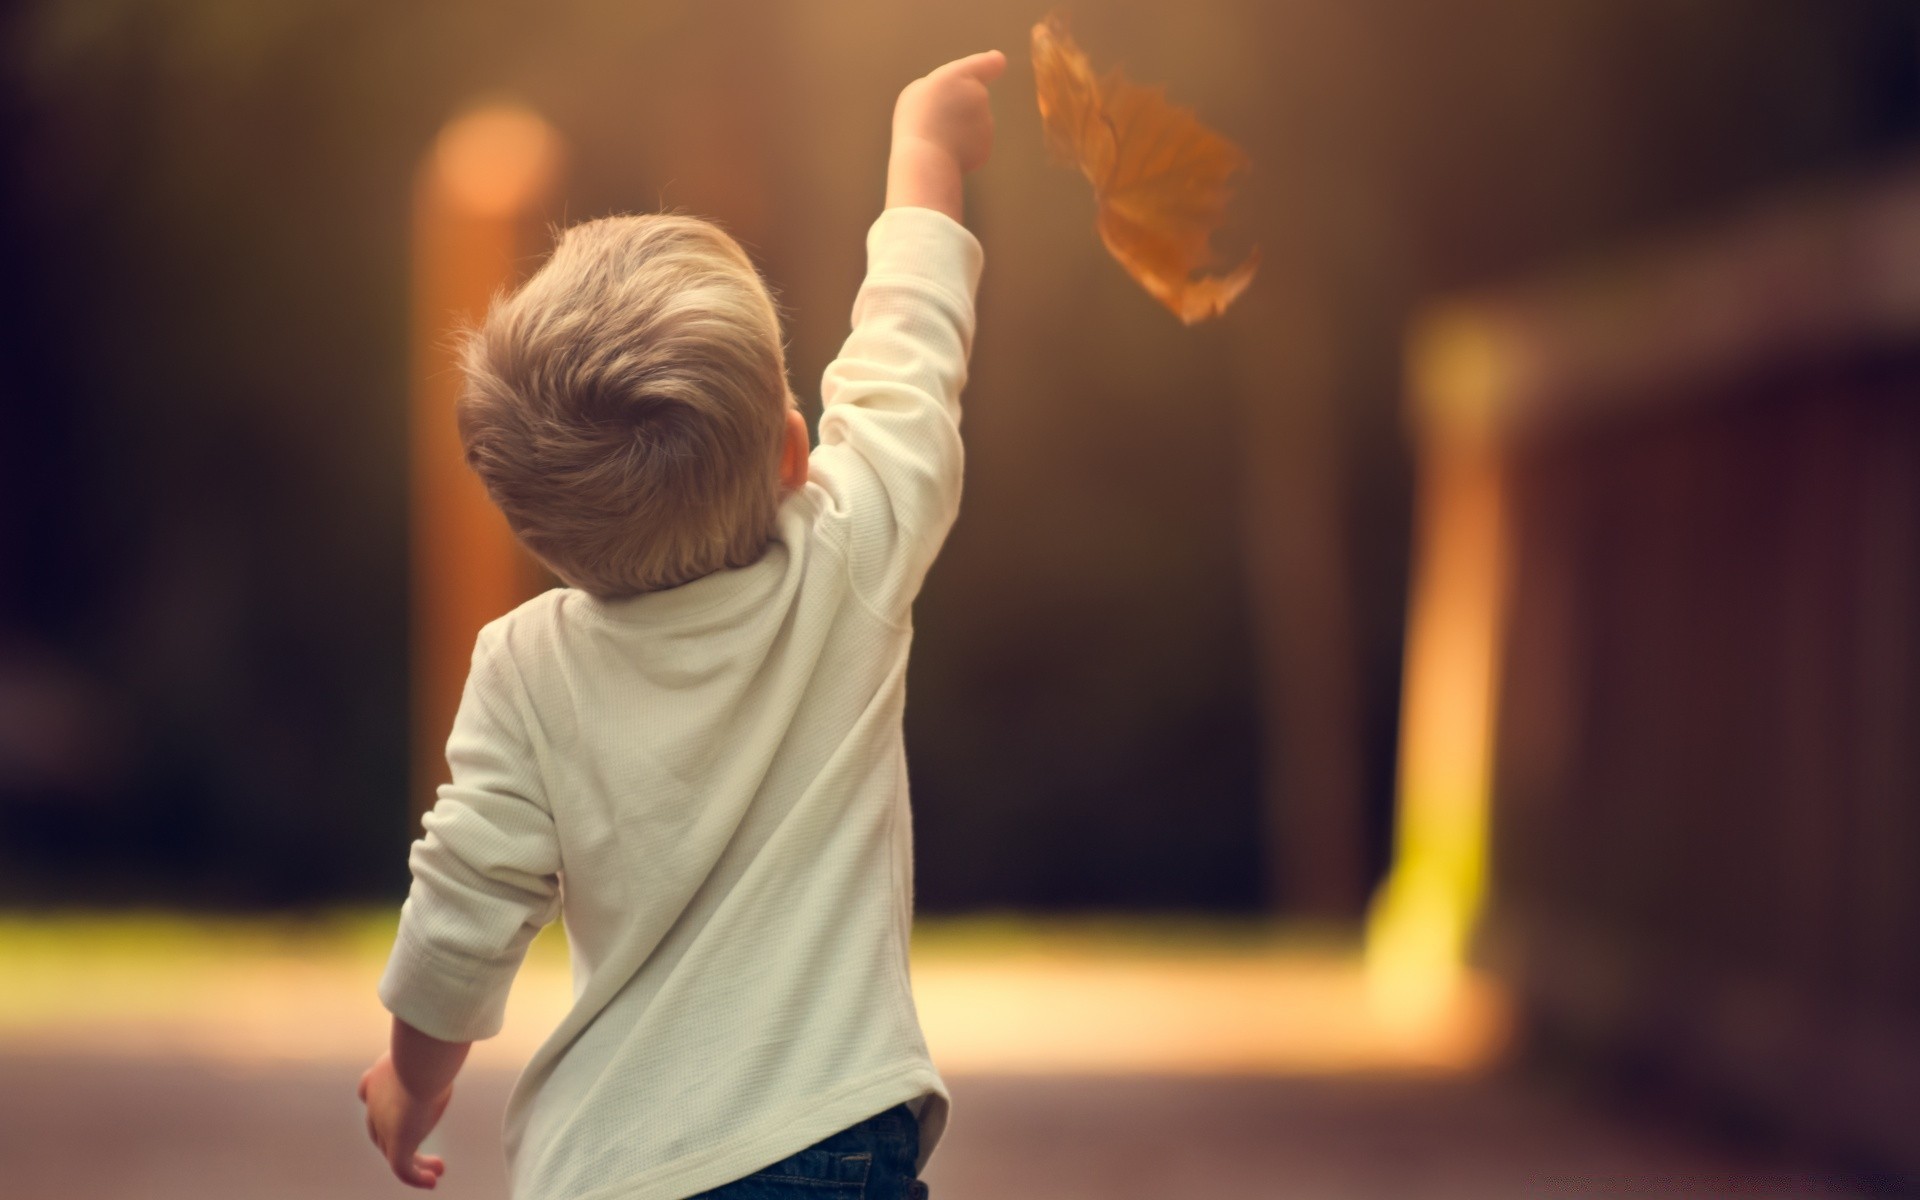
(793, 453)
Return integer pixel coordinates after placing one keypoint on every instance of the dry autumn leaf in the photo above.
(1160, 177)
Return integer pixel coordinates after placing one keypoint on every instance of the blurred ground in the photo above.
(154, 1059)
(189, 1129)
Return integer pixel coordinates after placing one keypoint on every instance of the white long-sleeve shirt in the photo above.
(709, 785)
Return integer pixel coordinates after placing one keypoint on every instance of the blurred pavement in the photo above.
(167, 1058)
(188, 1129)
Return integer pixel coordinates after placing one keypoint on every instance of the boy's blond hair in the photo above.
(626, 407)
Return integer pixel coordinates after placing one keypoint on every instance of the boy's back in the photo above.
(718, 770)
(712, 776)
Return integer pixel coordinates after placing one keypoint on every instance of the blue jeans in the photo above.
(869, 1161)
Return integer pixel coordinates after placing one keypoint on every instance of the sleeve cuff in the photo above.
(440, 999)
(922, 243)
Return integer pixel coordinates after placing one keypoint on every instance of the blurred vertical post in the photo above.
(1300, 580)
(1426, 911)
(477, 197)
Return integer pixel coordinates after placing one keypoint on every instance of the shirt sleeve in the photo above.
(485, 873)
(890, 456)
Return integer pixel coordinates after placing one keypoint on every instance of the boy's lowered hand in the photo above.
(406, 1092)
(942, 128)
(398, 1122)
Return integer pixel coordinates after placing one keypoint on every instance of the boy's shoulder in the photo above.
(539, 609)
(532, 618)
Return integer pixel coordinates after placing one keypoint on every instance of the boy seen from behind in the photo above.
(693, 753)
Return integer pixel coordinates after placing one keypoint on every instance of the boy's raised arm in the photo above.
(890, 456)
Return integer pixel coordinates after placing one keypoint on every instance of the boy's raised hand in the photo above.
(942, 128)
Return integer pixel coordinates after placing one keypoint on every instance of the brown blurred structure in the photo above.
(477, 201)
(1158, 666)
(1705, 779)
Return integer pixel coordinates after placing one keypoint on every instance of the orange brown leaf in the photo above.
(1161, 179)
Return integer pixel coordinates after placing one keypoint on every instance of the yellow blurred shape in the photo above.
(1423, 920)
(1043, 998)
(1283, 1015)
(1466, 370)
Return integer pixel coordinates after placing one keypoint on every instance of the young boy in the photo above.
(693, 754)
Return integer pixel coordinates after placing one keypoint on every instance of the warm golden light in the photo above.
(1464, 362)
(1418, 935)
(478, 200)
(497, 161)
(1043, 999)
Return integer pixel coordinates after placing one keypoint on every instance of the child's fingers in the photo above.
(413, 1171)
(427, 1170)
(986, 66)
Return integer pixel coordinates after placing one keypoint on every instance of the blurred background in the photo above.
(1464, 700)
